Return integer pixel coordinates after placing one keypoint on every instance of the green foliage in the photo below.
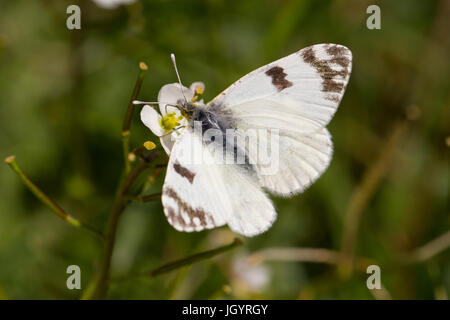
(64, 94)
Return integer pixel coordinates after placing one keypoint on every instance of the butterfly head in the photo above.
(176, 108)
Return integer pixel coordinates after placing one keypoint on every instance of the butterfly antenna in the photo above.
(154, 102)
(172, 56)
(144, 102)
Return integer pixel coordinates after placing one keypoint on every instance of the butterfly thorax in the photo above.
(208, 117)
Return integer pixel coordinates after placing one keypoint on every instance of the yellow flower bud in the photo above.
(149, 145)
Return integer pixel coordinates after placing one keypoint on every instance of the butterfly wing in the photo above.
(301, 161)
(300, 92)
(298, 95)
(199, 193)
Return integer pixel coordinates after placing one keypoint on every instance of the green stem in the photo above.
(11, 161)
(146, 198)
(363, 194)
(120, 203)
(128, 116)
(194, 258)
(187, 261)
(120, 200)
(126, 149)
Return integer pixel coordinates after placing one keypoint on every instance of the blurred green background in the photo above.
(63, 95)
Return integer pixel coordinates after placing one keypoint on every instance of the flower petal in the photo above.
(171, 94)
(198, 85)
(112, 4)
(169, 140)
(167, 143)
(151, 118)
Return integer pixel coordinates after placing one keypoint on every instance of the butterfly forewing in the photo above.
(299, 93)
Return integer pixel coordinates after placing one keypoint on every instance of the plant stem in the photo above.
(146, 198)
(430, 249)
(120, 203)
(363, 194)
(11, 161)
(312, 255)
(316, 255)
(194, 258)
(120, 200)
(128, 116)
(189, 260)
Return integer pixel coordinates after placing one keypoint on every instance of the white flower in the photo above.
(166, 124)
(250, 277)
(112, 4)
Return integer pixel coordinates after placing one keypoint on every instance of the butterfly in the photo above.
(293, 98)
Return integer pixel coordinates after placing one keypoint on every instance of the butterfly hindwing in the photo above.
(200, 194)
(302, 160)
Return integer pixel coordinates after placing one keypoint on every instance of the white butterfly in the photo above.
(296, 96)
